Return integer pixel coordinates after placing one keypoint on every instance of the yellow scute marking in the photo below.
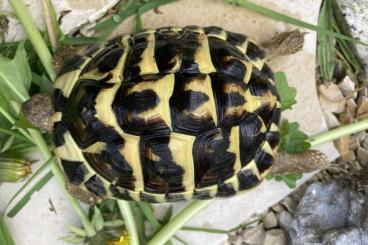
(234, 147)
(148, 63)
(181, 146)
(202, 55)
(163, 88)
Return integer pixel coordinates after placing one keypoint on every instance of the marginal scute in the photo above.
(167, 115)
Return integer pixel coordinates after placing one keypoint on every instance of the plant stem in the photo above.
(127, 214)
(10, 118)
(35, 36)
(338, 132)
(44, 148)
(51, 30)
(178, 221)
(5, 236)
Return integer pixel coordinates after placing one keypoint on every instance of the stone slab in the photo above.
(35, 224)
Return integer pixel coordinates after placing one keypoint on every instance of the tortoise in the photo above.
(165, 115)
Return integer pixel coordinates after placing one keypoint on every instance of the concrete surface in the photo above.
(35, 224)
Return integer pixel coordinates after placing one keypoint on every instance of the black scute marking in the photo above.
(95, 185)
(127, 107)
(226, 58)
(160, 172)
(184, 102)
(105, 60)
(112, 166)
(119, 193)
(254, 52)
(167, 51)
(80, 116)
(251, 139)
(266, 70)
(59, 100)
(75, 171)
(273, 138)
(277, 116)
(212, 30)
(235, 38)
(225, 190)
(263, 160)
(60, 128)
(174, 197)
(189, 44)
(91, 49)
(72, 64)
(225, 100)
(247, 179)
(138, 102)
(202, 195)
(138, 44)
(212, 162)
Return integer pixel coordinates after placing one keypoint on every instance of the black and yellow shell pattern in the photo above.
(166, 115)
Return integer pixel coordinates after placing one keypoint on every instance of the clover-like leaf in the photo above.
(287, 94)
(292, 139)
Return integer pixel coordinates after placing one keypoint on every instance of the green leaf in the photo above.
(27, 197)
(114, 223)
(97, 219)
(287, 94)
(7, 144)
(15, 75)
(22, 122)
(292, 139)
(147, 211)
(289, 179)
(326, 43)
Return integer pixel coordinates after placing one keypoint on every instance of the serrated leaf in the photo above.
(73, 239)
(292, 139)
(77, 231)
(97, 219)
(287, 94)
(114, 223)
(289, 179)
(15, 75)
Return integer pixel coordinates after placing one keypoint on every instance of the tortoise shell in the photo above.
(166, 115)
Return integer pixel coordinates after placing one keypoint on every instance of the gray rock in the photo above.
(328, 214)
(352, 15)
(351, 236)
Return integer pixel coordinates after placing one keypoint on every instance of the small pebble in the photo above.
(289, 204)
(275, 237)
(270, 220)
(254, 235)
(362, 156)
(284, 220)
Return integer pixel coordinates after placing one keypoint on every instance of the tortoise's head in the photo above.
(39, 110)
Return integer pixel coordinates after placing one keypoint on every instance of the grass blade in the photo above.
(151, 218)
(25, 199)
(326, 43)
(290, 20)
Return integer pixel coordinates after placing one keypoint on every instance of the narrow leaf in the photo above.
(97, 219)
